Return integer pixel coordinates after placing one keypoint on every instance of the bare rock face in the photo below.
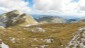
(16, 18)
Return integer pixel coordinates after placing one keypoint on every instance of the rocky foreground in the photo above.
(39, 36)
(78, 40)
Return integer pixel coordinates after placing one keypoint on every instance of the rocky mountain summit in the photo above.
(16, 18)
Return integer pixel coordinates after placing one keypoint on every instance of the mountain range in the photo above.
(56, 19)
(25, 31)
(15, 17)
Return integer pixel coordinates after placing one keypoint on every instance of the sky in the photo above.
(47, 7)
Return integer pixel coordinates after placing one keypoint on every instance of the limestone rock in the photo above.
(16, 18)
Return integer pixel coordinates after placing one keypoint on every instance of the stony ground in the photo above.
(39, 36)
(78, 40)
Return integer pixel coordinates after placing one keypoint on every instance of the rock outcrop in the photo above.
(16, 18)
(78, 40)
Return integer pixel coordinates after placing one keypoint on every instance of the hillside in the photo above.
(54, 32)
(15, 17)
(39, 36)
(55, 19)
(51, 19)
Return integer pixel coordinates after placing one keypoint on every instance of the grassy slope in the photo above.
(24, 37)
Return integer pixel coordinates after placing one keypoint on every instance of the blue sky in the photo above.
(30, 2)
(75, 0)
(51, 7)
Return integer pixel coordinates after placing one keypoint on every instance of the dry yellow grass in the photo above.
(25, 37)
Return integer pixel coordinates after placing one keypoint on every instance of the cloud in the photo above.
(61, 6)
(82, 5)
(8, 5)
(47, 5)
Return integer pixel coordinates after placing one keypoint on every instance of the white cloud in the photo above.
(8, 5)
(62, 6)
(45, 6)
(69, 7)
